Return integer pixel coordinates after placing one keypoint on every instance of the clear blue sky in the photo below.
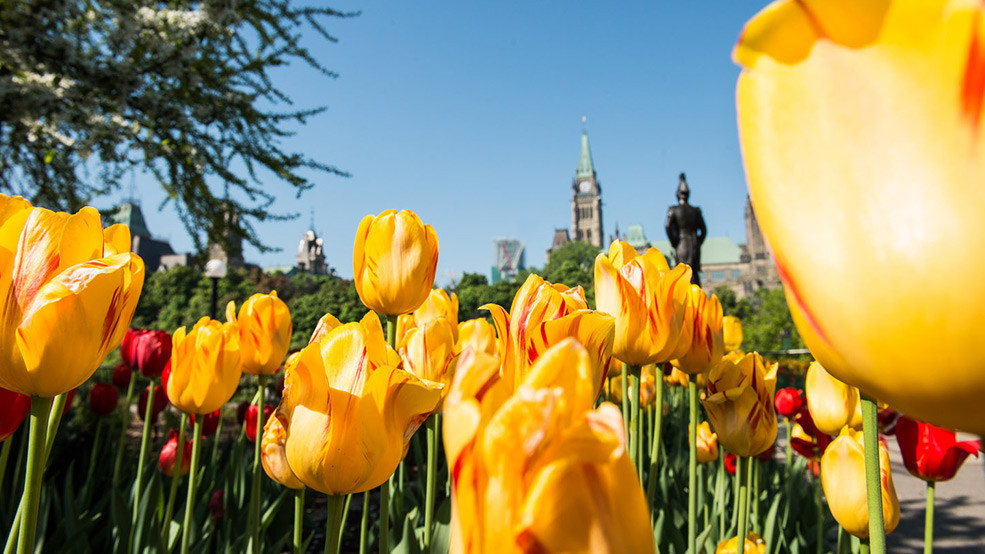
(469, 113)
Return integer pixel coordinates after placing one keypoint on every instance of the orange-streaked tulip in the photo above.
(324, 325)
(477, 334)
(647, 387)
(349, 410)
(707, 443)
(833, 404)
(705, 330)
(205, 366)
(70, 290)
(732, 333)
(843, 479)
(394, 260)
(648, 300)
(438, 304)
(739, 404)
(528, 461)
(264, 332)
(754, 544)
(541, 315)
(272, 453)
(428, 351)
(890, 168)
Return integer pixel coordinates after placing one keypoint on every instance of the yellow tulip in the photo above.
(70, 289)
(843, 479)
(860, 125)
(647, 387)
(677, 378)
(438, 304)
(648, 300)
(428, 351)
(394, 260)
(541, 315)
(349, 411)
(477, 334)
(754, 544)
(528, 460)
(205, 366)
(705, 330)
(732, 330)
(832, 404)
(324, 325)
(273, 455)
(707, 443)
(264, 332)
(739, 403)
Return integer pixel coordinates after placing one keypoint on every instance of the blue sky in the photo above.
(469, 113)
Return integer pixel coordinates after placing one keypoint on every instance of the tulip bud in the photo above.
(210, 423)
(103, 398)
(788, 402)
(250, 422)
(205, 366)
(843, 479)
(264, 324)
(122, 376)
(169, 456)
(833, 404)
(477, 334)
(707, 443)
(438, 304)
(14, 408)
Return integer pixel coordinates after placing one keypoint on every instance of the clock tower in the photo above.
(586, 199)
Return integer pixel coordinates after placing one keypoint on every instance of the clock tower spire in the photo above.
(586, 199)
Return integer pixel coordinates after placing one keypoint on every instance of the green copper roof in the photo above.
(585, 166)
(635, 236)
(714, 250)
(130, 215)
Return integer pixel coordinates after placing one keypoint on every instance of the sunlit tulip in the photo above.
(394, 260)
(861, 131)
(103, 398)
(14, 407)
(324, 325)
(272, 453)
(250, 422)
(542, 314)
(788, 401)
(754, 544)
(843, 479)
(477, 334)
(169, 454)
(205, 366)
(739, 403)
(647, 387)
(210, 423)
(732, 331)
(528, 461)
(349, 411)
(833, 404)
(148, 351)
(707, 443)
(704, 323)
(648, 300)
(438, 304)
(932, 453)
(70, 289)
(429, 349)
(264, 332)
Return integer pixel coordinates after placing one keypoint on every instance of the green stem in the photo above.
(40, 410)
(254, 517)
(819, 501)
(54, 419)
(124, 426)
(144, 444)
(624, 382)
(844, 543)
(864, 546)
(692, 467)
(873, 487)
(4, 456)
(333, 520)
(432, 435)
(186, 528)
(658, 415)
(363, 525)
(634, 414)
(175, 478)
(928, 525)
(789, 451)
(345, 517)
(298, 520)
(11, 544)
(720, 494)
(384, 542)
(754, 493)
(742, 472)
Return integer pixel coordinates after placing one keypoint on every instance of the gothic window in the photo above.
(589, 233)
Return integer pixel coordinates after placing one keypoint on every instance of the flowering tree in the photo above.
(182, 92)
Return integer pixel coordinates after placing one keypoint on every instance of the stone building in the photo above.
(310, 258)
(156, 253)
(586, 199)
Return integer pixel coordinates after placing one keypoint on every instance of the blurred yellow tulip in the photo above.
(732, 331)
(739, 403)
(70, 290)
(394, 260)
(428, 351)
(264, 332)
(477, 334)
(648, 301)
(647, 387)
(843, 479)
(273, 455)
(349, 411)
(861, 131)
(832, 404)
(205, 366)
(541, 315)
(754, 544)
(707, 443)
(704, 322)
(527, 461)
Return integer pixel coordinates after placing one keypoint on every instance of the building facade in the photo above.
(586, 199)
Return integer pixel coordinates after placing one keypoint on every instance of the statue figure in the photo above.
(686, 230)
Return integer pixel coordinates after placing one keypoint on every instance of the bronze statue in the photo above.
(686, 230)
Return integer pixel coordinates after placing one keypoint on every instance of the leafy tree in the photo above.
(769, 326)
(732, 304)
(474, 291)
(181, 90)
(335, 296)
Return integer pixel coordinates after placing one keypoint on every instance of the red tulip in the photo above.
(887, 421)
(250, 423)
(160, 402)
(730, 460)
(128, 352)
(122, 376)
(241, 411)
(14, 407)
(932, 453)
(169, 455)
(215, 506)
(210, 423)
(103, 398)
(788, 401)
(767, 455)
(151, 351)
(812, 443)
(68, 402)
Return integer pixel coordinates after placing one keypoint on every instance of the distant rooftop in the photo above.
(715, 250)
(130, 215)
(636, 237)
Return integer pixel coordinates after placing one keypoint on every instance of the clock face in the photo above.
(585, 186)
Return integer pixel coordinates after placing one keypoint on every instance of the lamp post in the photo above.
(215, 269)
